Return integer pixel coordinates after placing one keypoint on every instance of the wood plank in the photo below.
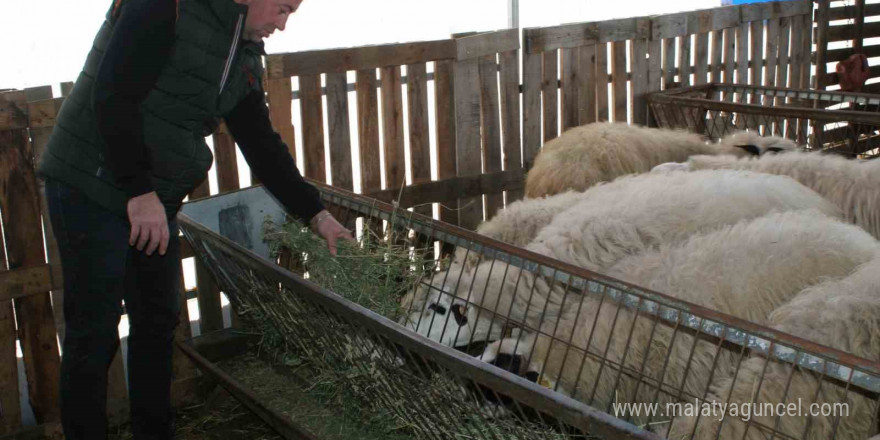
(210, 306)
(444, 104)
(655, 76)
(538, 40)
(850, 32)
(10, 416)
(756, 29)
(742, 55)
(835, 55)
(852, 12)
(28, 281)
(717, 66)
(392, 127)
(510, 115)
(419, 133)
(858, 38)
(278, 95)
(668, 63)
(312, 111)
(729, 55)
(467, 136)
(339, 131)
(684, 60)
(447, 190)
(490, 127)
(701, 59)
(618, 80)
(549, 94)
(822, 39)
(772, 10)
(772, 52)
(486, 44)
(639, 84)
(587, 85)
(532, 78)
(694, 22)
(66, 88)
(569, 88)
(783, 59)
(13, 110)
(368, 129)
(225, 160)
(20, 207)
(314, 62)
(602, 104)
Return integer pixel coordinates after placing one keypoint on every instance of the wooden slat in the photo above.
(312, 110)
(549, 93)
(602, 104)
(510, 115)
(444, 103)
(783, 59)
(847, 12)
(583, 34)
(20, 206)
(849, 32)
(822, 39)
(859, 37)
(467, 136)
(655, 79)
(28, 281)
(742, 54)
(569, 88)
(368, 129)
(694, 22)
(587, 85)
(756, 29)
(392, 127)
(447, 190)
(834, 55)
(491, 127)
(486, 44)
(10, 408)
(729, 54)
(618, 80)
(315, 62)
(684, 60)
(772, 10)
(532, 78)
(225, 160)
(717, 43)
(772, 51)
(668, 62)
(278, 95)
(13, 110)
(210, 306)
(66, 88)
(639, 51)
(339, 131)
(419, 134)
(701, 60)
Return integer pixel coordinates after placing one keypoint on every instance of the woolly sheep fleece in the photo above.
(584, 156)
(760, 263)
(839, 313)
(852, 185)
(609, 222)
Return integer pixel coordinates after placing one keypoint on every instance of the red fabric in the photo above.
(853, 72)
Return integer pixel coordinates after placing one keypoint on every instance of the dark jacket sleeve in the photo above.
(268, 157)
(130, 66)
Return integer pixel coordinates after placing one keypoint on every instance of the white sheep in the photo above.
(746, 269)
(839, 313)
(852, 185)
(608, 222)
(584, 156)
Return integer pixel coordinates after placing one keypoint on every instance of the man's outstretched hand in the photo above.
(325, 225)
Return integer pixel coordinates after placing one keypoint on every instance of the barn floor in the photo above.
(315, 405)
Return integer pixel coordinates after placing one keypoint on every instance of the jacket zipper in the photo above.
(231, 54)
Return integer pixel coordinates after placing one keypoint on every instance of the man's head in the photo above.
(266, 16)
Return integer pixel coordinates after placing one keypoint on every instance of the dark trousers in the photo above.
(100, 271)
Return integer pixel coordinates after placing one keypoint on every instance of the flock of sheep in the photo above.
(748, 226)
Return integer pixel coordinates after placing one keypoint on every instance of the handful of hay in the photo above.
(373, 271)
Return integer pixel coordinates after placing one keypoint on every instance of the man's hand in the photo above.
(149, 226)
(327, 227)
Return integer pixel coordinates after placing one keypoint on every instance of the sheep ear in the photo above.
(508, 362)
(774, 150)
(532, 376)
(751, 149)
(459, 312)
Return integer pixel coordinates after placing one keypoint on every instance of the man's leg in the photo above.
(93, 244)
(151, 300)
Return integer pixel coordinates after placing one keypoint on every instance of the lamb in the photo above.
(600, 152)
(755, 266)
(609, 222)
(852, 185)
(839, 313)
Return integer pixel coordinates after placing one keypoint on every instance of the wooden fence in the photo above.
(841, 31)
(376, 131)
